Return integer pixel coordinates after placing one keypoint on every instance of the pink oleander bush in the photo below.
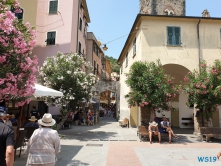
(203, 87)
(17, 63)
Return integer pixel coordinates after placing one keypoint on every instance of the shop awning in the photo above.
(103, 101)
(41, 91)
(113, 101)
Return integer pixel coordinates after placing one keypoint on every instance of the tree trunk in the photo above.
(200, 121)
(19, 122)
(63, 120)
(147, 115)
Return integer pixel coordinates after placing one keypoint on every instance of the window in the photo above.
(79, 47)
(134, 46)
(98, 53)
(97, 68)
(95, 49)
(80, 24)
(126, 59)
(173, 36)
(94, 66)
(53, 7)
(51, 36)
(121, 68)
(18, 15)
(220, 37)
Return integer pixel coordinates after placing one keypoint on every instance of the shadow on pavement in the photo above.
(103, 130)
(68, 152)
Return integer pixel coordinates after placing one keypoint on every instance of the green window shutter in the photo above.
(80, 24)
(126, 59)
(220, 35)
(51, 36)
(177, 36)
(170, 35)
(53, 7)
(134, 46)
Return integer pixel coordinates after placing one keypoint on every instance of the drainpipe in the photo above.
(78, 25)
(200, 56)
(198, 37)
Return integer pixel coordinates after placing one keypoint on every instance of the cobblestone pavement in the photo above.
(107, 144)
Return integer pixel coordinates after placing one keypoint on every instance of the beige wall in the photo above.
(133, 116)
(152, 45)
(30, 11)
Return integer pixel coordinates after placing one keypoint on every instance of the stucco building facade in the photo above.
(61, 26)
(95, 56)
(180, 43)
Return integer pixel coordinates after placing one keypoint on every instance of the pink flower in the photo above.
(185, 79)
(2, 59)
(146, 103)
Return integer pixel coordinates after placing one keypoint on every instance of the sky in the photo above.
(112, 20)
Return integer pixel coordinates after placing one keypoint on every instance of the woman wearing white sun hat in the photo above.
(153, 130)
(44, 144)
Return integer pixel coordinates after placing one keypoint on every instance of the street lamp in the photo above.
(105, 47)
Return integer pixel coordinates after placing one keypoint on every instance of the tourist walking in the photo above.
(44, 144)
(6, 142)
(32, 123)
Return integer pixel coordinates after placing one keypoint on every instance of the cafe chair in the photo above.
(30, 130)
(19, 142)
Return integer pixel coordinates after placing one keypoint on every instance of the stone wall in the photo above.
(163, 7)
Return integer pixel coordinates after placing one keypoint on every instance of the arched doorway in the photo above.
(179, 117)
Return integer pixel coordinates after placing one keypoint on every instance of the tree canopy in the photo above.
(150, 86)
(68, 74)
(115, 67)
(203, 87)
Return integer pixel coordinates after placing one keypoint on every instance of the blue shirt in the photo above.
(32, 124)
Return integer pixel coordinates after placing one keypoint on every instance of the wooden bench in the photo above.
(187, 121)
(210, 132)
(143, 133)
(124, 123)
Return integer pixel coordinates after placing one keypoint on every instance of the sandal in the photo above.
(151, 142)
(176, 137)
(169, 141)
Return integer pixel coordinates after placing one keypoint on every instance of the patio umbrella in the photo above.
(41, 91)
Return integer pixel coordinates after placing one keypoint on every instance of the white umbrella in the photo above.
(41, 91)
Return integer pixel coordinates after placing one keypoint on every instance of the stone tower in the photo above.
(163, 7)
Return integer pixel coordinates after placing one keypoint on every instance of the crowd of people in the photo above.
(43, 146)
(80, 117)
(110, 111)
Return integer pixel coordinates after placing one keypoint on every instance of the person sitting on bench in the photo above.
(165, 128)
(153, 130)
